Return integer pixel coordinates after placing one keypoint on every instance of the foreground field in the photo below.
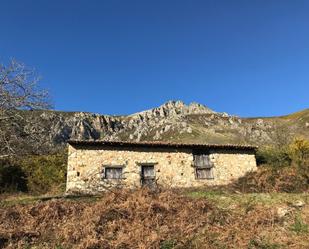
(162, 219)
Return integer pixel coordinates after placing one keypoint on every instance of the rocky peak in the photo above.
(196, 108)
(174, 108)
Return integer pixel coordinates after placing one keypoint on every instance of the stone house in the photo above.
(95, 166)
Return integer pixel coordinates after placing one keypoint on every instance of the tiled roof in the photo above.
(161, 144)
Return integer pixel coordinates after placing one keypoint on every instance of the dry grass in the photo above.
(162, 219)
(269, 179)
(140, 219)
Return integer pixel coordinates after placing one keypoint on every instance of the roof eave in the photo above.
(161, 144)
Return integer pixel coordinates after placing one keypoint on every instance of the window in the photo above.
(148, 175)
(113, 173)
(148, 171)
(203, 166)
(202, 160)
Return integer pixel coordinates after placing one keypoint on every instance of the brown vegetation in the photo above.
(284, 168)
(268, 179)
(147, 219)
(141, 219)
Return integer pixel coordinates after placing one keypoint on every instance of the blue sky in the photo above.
(249, 58)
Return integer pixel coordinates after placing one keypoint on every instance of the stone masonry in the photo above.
(173, 166)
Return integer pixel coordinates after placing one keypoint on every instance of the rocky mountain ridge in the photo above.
(172, 121)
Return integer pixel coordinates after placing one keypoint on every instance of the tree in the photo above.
(19, 91)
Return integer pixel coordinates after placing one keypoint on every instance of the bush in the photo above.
(36, 174)
(45, 172)
(299, 153)
(274, 156)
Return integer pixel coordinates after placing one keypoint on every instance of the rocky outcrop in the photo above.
(165, 118)
(94, 126)
(173, 109)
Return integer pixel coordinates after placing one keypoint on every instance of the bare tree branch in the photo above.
(19, 90)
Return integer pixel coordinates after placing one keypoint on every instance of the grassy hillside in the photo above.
(208, 128)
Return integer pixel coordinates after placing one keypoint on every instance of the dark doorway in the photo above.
(148, 176)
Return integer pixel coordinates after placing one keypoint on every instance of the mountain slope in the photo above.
(173, 121)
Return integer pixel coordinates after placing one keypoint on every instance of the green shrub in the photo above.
(45, 172)
(36, 174)
(274, 156)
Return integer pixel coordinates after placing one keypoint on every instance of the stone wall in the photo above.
(173, 167)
